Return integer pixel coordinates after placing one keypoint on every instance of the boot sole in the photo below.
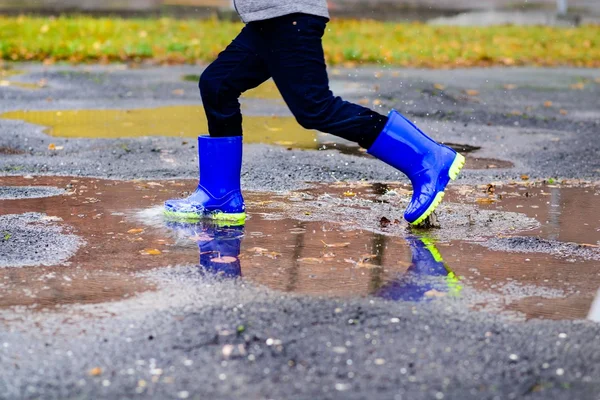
(219, 217)
(455, 168)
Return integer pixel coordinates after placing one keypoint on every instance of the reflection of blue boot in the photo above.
(219, 246)
(218, 195)
(428, 164)
(427, 264)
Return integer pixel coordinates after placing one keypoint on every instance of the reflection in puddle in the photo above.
(427, 276)
(319, 254)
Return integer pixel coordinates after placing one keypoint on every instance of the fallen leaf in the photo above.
(311, 260)
(54, 147)
(510, 86)
(439, 86)
(151, 252)
(349, 193)
(563, 111)
(376, 102)
(345, 244)
(577, 86)
(134, 231)
(484, 200)
(547, 104)
(178, 92)
(95, 371)
(525, 177)
(258, 250)
(472, 92)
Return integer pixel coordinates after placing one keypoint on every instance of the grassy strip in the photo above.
(85, 39)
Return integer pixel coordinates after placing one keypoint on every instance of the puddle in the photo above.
(324, 241)
(190, 121)
(5, 74)
(179, 121)
(182, 121)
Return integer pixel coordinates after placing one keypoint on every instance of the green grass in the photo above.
(85, 39)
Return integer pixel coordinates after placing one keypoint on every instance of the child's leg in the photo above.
(295, 59)
(218, 196)
(237, 69)
(294, 54)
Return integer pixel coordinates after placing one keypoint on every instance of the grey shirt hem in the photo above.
(278, 11)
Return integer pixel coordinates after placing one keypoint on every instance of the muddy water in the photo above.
(125, 234)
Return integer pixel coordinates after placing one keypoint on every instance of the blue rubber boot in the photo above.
(218, 195)
(428, 164)
(427, 273)
(219, 246)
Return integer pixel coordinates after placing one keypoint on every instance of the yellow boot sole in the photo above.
(455, 168)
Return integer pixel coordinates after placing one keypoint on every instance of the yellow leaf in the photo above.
(95, 371)
(51, 146)
(547, 104)
(151, 252)
(563, 111)
(485, 200)
(472, 92)
(525, 177)
(134, 231)
(349, 194)
(439, 86)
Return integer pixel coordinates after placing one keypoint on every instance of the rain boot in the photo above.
(218, 195)
(220, 249)
(426, 274)
(219, 245)
(428, 164)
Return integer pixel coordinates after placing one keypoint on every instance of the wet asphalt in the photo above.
(194, 337)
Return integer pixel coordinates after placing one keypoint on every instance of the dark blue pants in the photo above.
(289, 50)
